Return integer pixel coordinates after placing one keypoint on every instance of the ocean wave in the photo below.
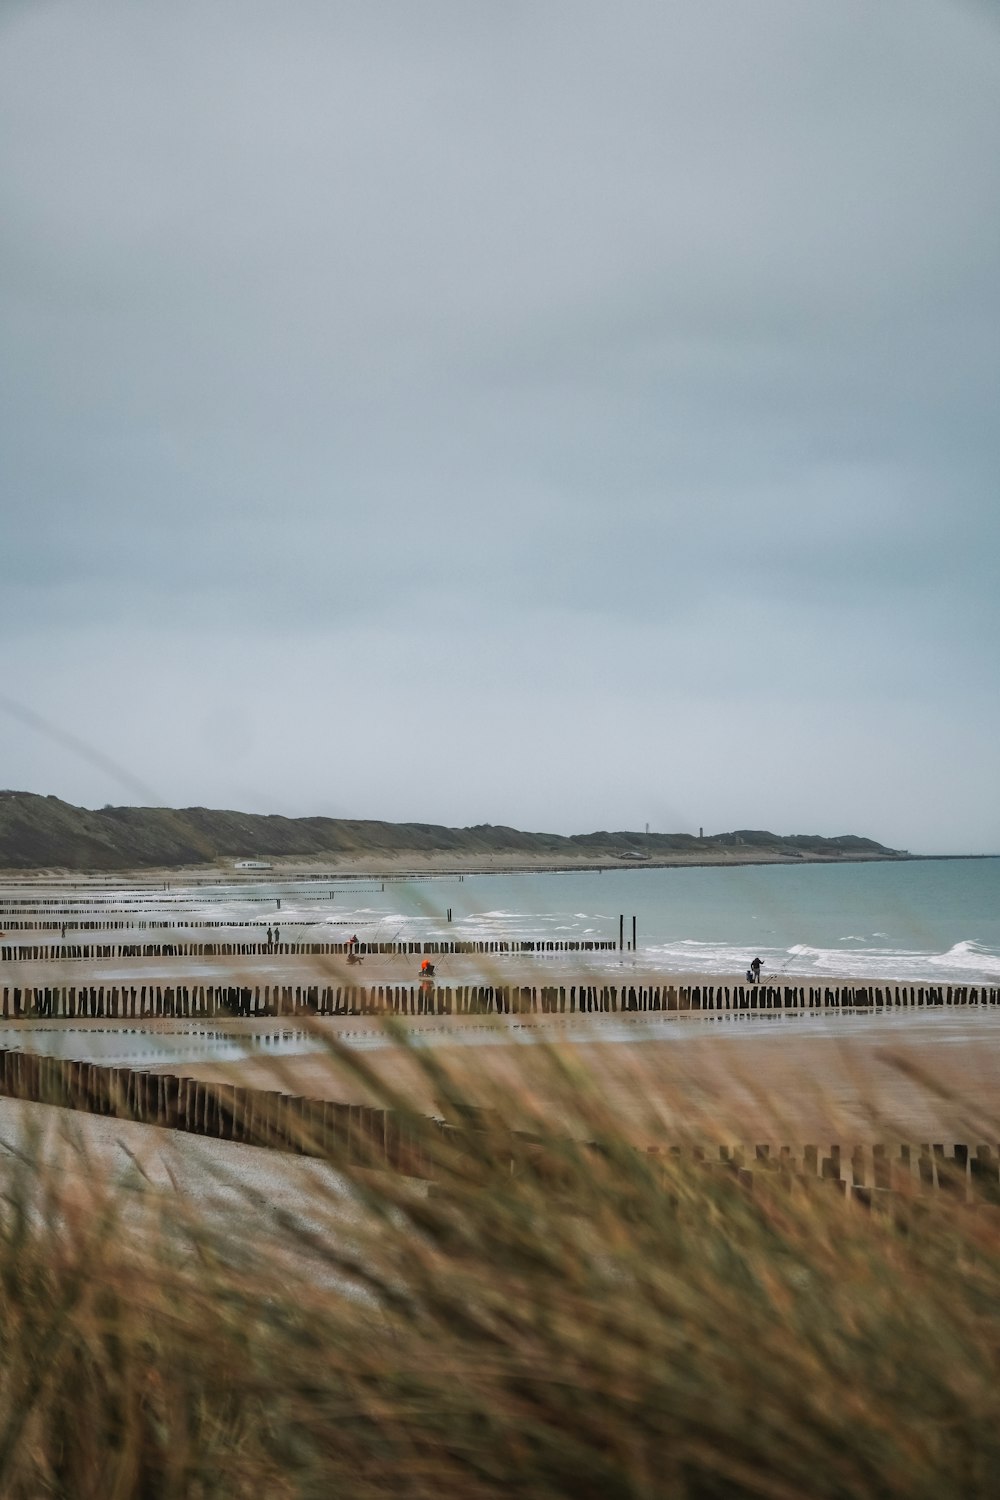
(964, 963)
(969, 956)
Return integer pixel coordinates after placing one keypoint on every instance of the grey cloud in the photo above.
(512, 342)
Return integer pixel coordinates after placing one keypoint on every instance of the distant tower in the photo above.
(701, 833)
(647, 830)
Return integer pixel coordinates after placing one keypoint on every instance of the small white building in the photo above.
(252, 864)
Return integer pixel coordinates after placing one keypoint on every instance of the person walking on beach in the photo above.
(270, 940)
(277, 937)
(755, 967)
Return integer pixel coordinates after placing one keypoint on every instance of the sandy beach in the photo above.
(409, 864)
(907, 1075)
(932, 1076)
(609, 967)
(732, 1076)
(793, 1080)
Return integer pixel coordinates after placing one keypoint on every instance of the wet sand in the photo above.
(609, 966)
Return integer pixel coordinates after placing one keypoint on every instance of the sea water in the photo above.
(912, 921)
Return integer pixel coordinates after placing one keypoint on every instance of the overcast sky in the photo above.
(557, 414)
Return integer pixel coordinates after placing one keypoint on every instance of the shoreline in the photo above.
(564, 969)
(404, 866)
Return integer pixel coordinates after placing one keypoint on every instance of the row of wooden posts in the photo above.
(383, 1138)
(365, 1135)
(870, 1174)
(150, 893)
(57, 952)
(25, 906)
(429, 998)
(95, 924)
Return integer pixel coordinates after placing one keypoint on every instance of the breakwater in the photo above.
(362, 1135)
(58, 952)
(95, 924)
(143, 1001)
(373, 1137)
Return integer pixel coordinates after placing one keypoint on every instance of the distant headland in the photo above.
(45, 833)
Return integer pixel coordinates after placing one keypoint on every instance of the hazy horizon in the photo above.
(567, 417)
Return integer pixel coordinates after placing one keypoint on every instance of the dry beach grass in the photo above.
(559, 1316)
(573, 1311)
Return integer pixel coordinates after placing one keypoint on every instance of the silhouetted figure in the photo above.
(755, 967)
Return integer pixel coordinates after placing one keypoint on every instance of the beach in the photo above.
(784, 1078)
(416, 864)
(791, 1081)
(909, 1074)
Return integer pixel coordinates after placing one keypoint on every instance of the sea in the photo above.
(932, 920)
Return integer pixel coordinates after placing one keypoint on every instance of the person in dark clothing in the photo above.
(755, 965)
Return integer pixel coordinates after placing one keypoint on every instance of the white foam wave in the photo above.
(964, 963)
(969, 956)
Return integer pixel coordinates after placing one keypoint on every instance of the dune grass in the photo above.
(563, 1315)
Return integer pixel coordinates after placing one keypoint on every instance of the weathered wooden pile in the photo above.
(385, 1138)
(57, 952)
(133, 1001)
(150, 924)
(256, 1117)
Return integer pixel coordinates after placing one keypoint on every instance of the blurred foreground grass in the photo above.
(552, 1319)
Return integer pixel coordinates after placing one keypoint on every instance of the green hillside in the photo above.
(43, 832)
